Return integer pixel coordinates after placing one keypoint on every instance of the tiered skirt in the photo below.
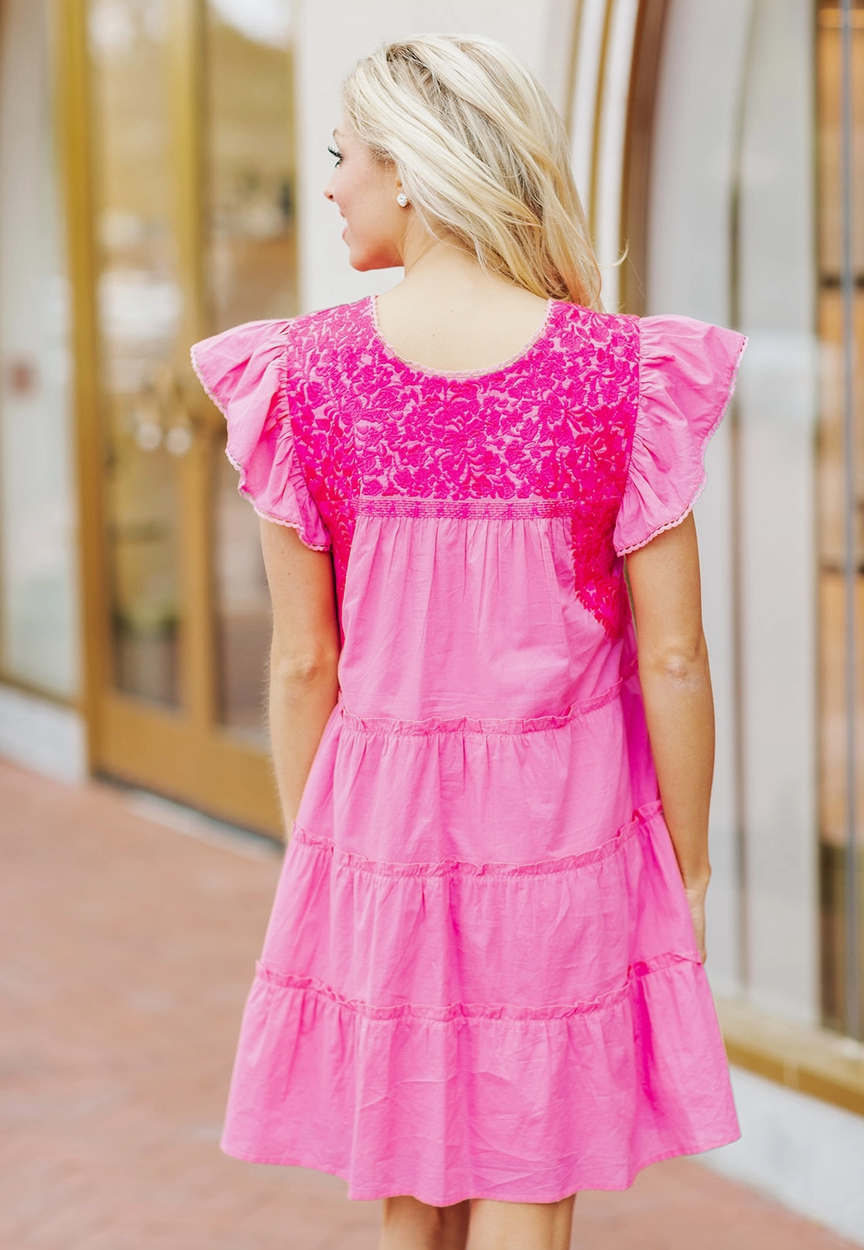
(509, 1026)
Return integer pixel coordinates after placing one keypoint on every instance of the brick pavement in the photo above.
(126, 951)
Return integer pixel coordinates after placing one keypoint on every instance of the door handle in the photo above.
(162, 417)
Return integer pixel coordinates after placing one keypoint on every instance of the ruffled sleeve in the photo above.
(243, 370)
(686, 378)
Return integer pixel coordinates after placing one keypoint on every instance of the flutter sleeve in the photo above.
(686, 378)
(243, 372)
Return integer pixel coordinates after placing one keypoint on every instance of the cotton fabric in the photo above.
(479, 977)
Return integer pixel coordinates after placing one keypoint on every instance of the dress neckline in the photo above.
(390, 352)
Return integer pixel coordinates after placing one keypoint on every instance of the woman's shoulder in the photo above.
(595, 327)
(329, 326)
(664, 341)
(648, 326)
(282, 341)
(273, 330)
(595, 344)
(332, 317)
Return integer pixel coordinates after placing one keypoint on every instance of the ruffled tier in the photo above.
(453, 1029)
(483, 790)
(534, 936)
(463, 1104)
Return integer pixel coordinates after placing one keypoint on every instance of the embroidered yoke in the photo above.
(480, 977)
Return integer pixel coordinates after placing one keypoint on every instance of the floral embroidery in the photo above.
(556, 424)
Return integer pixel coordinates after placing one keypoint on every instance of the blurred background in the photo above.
(161, 167)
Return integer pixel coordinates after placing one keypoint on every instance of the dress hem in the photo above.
(425, 1196)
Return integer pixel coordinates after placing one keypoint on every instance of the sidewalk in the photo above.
(126, 950)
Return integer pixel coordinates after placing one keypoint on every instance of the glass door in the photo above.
(840, 496)
(191, 229)
(250, 267)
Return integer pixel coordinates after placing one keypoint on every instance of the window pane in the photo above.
(38, 600)
(251, 268)
(836, 705)
(139, 309)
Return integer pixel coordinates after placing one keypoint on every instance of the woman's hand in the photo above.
(696, 902)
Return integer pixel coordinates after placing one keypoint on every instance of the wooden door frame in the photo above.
(72, 119)
(184, 753)
(595, 41)
(638, 144)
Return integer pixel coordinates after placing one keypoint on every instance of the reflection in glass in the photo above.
(836, 673)
(251, 265)
(251, 269)
(139, 305)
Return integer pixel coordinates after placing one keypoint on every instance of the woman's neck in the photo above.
(434, 264)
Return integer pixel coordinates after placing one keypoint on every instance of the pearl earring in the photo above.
(402, 199)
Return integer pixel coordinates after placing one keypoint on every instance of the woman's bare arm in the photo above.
(304, 655)
(679, 706)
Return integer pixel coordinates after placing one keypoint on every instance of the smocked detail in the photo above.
(467, 509)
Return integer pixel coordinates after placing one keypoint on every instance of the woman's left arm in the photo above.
(304, 656)
(679, 707)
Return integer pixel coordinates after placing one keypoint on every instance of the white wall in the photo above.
(331, 37)
(803, 1152)
(38, 601)
(699, 127)
(688, 267)
(43, 736)
(778, 409)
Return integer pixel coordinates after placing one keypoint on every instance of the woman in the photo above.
(481, 988)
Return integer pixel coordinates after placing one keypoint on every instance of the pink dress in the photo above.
(479, 978)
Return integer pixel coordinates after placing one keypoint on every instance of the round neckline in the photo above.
(457, 374)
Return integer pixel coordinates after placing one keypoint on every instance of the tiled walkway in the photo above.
(126, 950)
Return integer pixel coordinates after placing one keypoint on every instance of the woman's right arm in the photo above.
(676, 688)
(304, 656)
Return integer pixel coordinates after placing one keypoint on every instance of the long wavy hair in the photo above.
(482, 155)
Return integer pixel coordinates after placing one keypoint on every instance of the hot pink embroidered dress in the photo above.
(480, 977)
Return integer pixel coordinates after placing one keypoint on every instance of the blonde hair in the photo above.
(481, 152)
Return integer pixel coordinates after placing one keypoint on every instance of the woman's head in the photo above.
(471, 138)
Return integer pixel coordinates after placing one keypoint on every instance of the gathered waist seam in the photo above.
(640, 824)
(452, 1012)
(485, 725)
